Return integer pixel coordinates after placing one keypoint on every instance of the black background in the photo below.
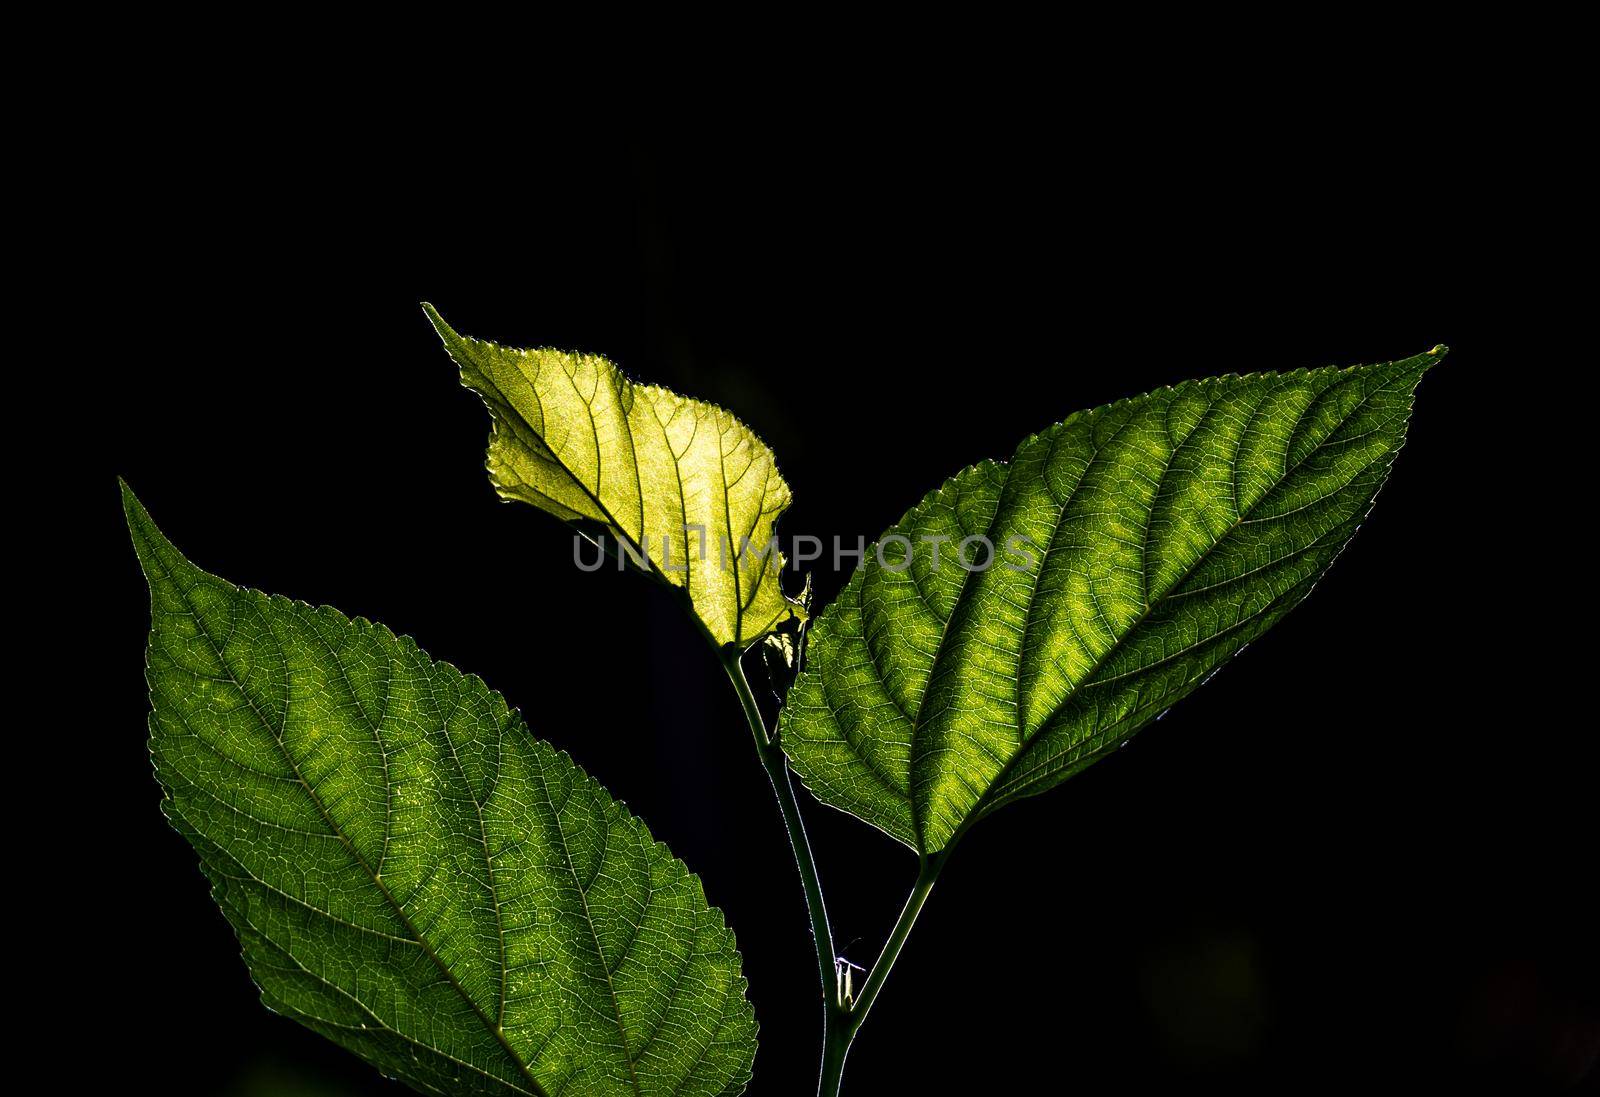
(1357, 856)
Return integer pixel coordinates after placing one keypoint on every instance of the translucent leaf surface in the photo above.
(412, 874)
(690, 490)
(1138, 546)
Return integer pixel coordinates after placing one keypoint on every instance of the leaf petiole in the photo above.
(927, 876)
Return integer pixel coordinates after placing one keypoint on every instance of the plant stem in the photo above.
(841, 1019)
(835, 1046)
(835, 1018)
(837, 1039)
(927, 876)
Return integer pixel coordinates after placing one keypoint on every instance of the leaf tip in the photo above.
(132, 509)
(1412, 369)
(446, 332)
(141, 529)
(157, 555)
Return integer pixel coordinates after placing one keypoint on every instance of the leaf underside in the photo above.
(412, 874)
(690, 490)
(1165, 532)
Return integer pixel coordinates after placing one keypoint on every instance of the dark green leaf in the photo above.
(411, 873)
(1156, 537)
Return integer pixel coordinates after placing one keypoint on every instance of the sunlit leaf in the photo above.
(1138, 546)
(412, 874)
(691, 491)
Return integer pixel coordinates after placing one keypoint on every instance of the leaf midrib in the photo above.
(961, 597)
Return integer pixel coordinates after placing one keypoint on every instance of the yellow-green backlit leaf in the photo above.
(1159, 536)
(412, 874)
(690, 489)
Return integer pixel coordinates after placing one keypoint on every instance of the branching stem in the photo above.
(841, 1019)
(834, 1018)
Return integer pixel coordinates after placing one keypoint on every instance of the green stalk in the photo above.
(841, 1018)
(836, 1049)
(834, 1016)
(926, 877)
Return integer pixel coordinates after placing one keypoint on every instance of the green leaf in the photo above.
(692, 493)
(1157, 537)
(411, 873)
